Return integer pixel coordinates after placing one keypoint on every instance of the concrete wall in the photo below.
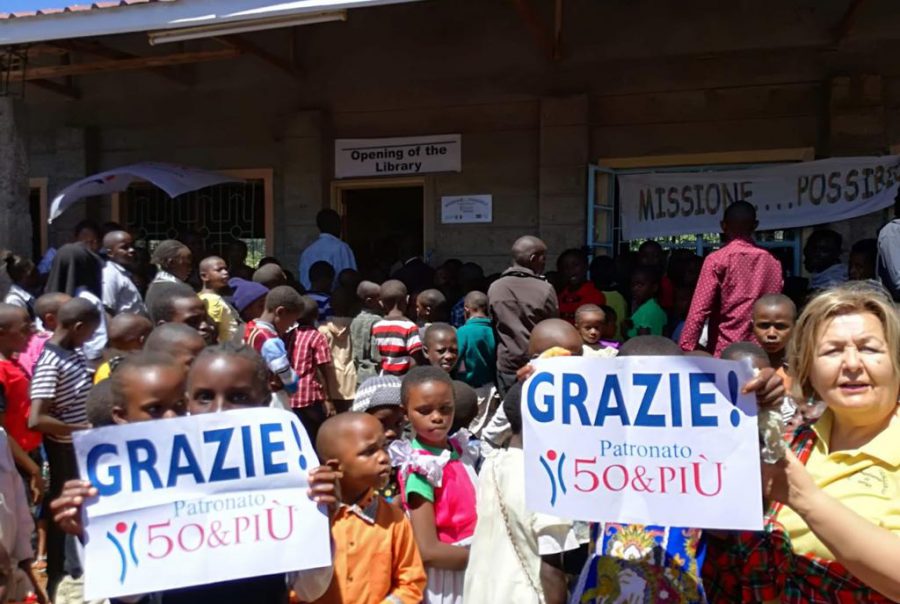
(637, 78)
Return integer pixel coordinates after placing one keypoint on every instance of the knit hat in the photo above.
(378, 391)
(246, 292)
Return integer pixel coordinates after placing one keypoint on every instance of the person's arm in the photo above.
(868, 551)
(26, 465)
(434, 552)
(325, 367)
(408, 576)
(705, 296)
(414, 345)
(553, 583)
(41, 421)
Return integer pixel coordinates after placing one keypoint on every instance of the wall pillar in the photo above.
(15, 219)
(303, 182)
(72, 161)
(562, 182)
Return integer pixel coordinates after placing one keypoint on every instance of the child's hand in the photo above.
(524, 372)
(36, 486)
(325, 486)
(768, 386)
(66, 509)
(329, 409)
(39, 592)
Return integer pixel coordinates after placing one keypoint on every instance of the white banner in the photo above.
(197, 500)
(355, 157)
(785, 196)
(666, 441)
(462, 209)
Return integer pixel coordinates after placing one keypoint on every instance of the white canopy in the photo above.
(160, 16)
(171, 178)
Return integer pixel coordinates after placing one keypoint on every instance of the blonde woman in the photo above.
(833, 524)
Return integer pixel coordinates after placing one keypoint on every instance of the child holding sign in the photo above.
(439, 493)
(375, 554)
(223, 377)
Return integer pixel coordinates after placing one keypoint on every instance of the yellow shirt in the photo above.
(866, 480)
(222, 315)
(103, 372)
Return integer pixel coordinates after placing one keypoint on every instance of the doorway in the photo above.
(379, 221)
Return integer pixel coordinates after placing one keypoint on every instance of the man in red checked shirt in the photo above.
(576, 289)
(731, 280)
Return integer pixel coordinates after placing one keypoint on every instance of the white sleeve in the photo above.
(495, 433)
(554, 535)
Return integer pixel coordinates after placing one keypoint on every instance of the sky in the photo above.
(22, 5)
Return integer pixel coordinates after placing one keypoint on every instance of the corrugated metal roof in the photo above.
(77, 8)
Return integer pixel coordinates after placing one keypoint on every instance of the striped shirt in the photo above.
(309, 352)
(62, 376)
(397, 341)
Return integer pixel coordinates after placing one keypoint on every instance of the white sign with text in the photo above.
(355, 157)
(461, 209)
(667, 441)
(198, 500)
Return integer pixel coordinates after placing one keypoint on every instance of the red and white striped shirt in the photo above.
(310, 351)
(397, 341)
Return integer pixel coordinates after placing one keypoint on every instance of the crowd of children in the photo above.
(408, 389)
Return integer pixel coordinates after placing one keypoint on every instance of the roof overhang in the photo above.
(178, 15)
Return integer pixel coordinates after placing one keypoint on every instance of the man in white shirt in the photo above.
(327, 247)
(120, 294)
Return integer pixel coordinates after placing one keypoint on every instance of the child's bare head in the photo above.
(225, 377)
(441, 346)
(79, 319)
(214, 273)
(590, 321)
(15, 329)
(147, 386)
(369, 294)
(284, 306)
(176, 339)
(554, 333)
(650, 346)
(431, 306)
(47, 308)
(475, 304)
(128, 331)
(271, 275)
(357, 442)
(394, 296)
(749, 351)
(465, 406)
(321, 276)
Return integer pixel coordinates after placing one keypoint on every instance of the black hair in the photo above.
(609, 311)
(165, 336)
(433, 298)
(418, 376)
(512, 407)
(831, 237)
(162, 297)
(650, 272)
(869, 247)
(310, 311)
(78, 310)
(741, 211)
(329, 221)
(242, 351)
(586, 309)
(739, 350)
(645, 346)
(476, 300)
(343, 301)
(166, 251)
(267, 260)
(320, 271)
(393, 293)
(286, 296)
(99, 404)
(603, 272)
(139, 362)
(437, 328)
(49, 304)
(465, 405)
(572, 251)
(86, 224)
(271, 275)
(18, 267)
(650, 243)
(770, 300)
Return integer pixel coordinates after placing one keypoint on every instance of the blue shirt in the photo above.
(458, 313)
(477, 351)
(330, 249)
(324, 303)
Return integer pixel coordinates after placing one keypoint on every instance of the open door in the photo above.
(601, 209)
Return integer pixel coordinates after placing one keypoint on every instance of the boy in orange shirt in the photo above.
(375, 554)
